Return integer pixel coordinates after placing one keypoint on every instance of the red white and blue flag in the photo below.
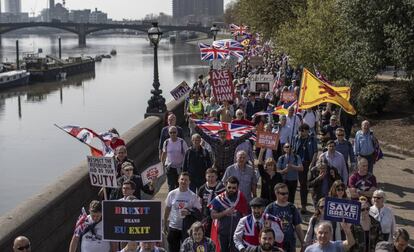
(212, 53)
(238, 30)
(233, 47)
(233, 130)
(81, 223)
(90, 138)
(322, 77)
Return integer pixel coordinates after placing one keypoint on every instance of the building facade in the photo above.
(197, 11)
(13, 6)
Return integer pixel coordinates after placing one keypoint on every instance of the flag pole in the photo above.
(294, 120)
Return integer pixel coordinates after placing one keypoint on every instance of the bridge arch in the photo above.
(5, 28)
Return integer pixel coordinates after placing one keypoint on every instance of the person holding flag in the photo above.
(226, 211)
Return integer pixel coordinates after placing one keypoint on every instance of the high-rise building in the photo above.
(13, 6)
(207, 8)
(51, 4)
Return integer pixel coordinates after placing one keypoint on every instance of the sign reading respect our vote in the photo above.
(180, 90)
(341, 209)
(102, 171)
(267, 140)
(138, 220)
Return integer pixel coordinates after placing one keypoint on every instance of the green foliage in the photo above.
(373, 98)
(264, 16)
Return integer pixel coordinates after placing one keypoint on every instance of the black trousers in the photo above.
(172, 178)
(174, 239)
(292, 185)
(227, 243)
(303, 180)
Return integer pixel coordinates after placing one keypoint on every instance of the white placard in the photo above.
(152, 172)
(102, 171)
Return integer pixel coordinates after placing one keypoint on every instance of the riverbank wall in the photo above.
(48, 218)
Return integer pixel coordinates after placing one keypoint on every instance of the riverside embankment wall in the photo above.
(48, 218)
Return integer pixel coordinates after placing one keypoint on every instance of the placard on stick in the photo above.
(261, 82)
(152, 172)
(341, 209)
(222, 84)
(288, 96)
(102, 171)
(267, 140)
(180, 90)
(138, 220)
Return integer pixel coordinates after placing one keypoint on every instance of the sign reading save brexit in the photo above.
(102, 171)
(131, 220)
(340, 209)
(222, 84)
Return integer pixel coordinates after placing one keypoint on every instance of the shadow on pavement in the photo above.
(397, 189)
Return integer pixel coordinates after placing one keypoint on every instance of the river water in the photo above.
(33, 152)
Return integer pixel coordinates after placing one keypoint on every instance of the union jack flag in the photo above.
(211, 53)
(90, 138)
(81, 223)
(238, 30)
(232, 46)
(233, 130)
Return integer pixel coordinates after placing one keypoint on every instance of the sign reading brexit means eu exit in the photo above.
(222, 84)
(340, 209)
(102, 171)
(137, 220)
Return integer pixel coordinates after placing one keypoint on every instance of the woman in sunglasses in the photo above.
(368, 233)
(317, 217)
(338, 190)
(383, 214)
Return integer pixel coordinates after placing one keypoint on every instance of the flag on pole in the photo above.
(233, 130)
(313, 92)
(232, 46)
(81, 223)
(211, 53)
(89, 137)
(238, 30)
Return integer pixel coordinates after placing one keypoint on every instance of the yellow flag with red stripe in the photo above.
(313, 92)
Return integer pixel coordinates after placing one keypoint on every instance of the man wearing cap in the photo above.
(249, 227)
(223, 148)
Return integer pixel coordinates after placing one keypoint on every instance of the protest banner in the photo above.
(256, 61)
(151, 173)
(267, 140)
(137, 220)
(288, 96)
(261, 82)
(341, 209)
(180, 90)
(222, 84)
(102, 171)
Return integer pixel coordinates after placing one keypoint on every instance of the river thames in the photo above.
(33, 152)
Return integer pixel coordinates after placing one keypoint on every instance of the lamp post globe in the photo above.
(214, 30)
(156, 104)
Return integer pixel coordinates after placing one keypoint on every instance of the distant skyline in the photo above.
(116, 9)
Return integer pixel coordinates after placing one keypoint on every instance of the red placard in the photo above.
(222, 83)
(288, 96)
(267, 140)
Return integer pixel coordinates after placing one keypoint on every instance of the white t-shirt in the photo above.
(94, 243)
(310, 118)
(175, 153)
(178, 200)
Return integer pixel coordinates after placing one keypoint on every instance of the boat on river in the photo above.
(50, 68)
(14, 78)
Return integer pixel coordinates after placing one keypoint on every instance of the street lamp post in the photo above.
(214, 30)
(156, 104)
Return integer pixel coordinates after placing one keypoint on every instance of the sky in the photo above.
(116, 9)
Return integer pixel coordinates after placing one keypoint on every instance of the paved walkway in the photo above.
(395, 175)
